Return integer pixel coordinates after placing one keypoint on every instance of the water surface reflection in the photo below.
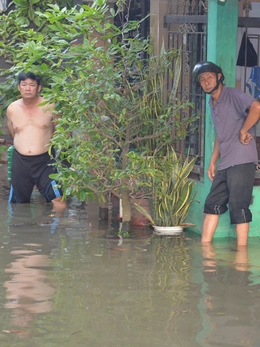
(69, 280)
(28, 292)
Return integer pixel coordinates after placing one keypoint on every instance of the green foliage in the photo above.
(171, 190)
(25, 10)
(113, 101)
(123, 233)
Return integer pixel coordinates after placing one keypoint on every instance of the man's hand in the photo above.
(245, 138)
(211, 171)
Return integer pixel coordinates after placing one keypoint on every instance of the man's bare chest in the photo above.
(38, 121)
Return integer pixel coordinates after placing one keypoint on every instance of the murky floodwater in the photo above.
(70, 281)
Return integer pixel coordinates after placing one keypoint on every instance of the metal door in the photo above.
(187, 31)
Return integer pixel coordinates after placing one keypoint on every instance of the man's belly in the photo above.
(30, 146)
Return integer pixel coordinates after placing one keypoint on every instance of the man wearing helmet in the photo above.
(234, 115)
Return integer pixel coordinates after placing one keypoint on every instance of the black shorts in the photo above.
(31, 170)
(233, 187)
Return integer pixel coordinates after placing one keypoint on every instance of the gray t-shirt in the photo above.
(228, 116)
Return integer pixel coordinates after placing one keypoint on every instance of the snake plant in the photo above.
(171, 189)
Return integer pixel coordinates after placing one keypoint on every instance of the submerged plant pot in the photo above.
(138, 219)
(176, 230)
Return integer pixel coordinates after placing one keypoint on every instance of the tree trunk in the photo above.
(126, 207)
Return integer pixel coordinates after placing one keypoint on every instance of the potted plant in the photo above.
(171, 191)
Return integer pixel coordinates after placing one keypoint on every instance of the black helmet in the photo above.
(206, 66)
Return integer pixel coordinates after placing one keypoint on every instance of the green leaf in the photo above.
(22, 3)
(112, 11)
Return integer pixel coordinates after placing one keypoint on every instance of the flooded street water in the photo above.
(70, 281)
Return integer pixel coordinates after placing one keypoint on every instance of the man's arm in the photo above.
(9, 122)
(213, 161)
(251, 120)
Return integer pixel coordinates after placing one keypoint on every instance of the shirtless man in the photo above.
(32, 127)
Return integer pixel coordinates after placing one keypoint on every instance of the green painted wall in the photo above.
(222, 48)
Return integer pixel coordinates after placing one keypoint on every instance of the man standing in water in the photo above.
(234, 114)
(31, 126)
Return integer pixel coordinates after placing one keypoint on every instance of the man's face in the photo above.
(29, 88)
(207, 81)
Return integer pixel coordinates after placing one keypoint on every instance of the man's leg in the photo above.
(209, 257)
(48, 187)
(242, 258)
(242, 233)
(240, 183)
(215, 205)
(209, 227)
(21, 182)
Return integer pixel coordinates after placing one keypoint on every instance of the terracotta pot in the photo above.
(137, 217)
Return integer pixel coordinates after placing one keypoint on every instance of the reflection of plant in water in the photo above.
(171, 272)
(172, 263)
